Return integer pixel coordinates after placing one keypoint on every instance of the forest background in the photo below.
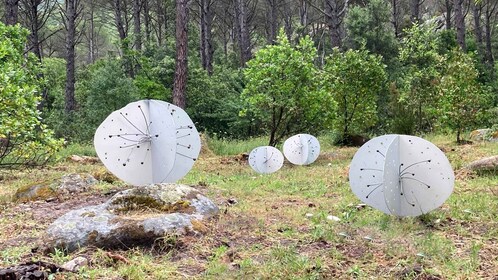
(244, 68)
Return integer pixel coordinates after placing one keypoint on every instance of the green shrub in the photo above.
(24, 140)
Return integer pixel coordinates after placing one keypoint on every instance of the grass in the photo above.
(223, 147)
(279, 228)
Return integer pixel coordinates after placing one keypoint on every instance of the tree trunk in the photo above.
(123, 34)
(160, 21)
(448, 14)
(459, 23)
(91, 35)
(147, 21)
(288, 20)
(395, 17)
(414, 11)
(333, 15)
(271, 20)
(303, 13)
(490, 11)
(11, 12)
(477, 12)
(181, 70)
(208, 15)
(202, 33)
(70, 19)
(119, 20)
(243, 31)
(33, 22)
(136, 25)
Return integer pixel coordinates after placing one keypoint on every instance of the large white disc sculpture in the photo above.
(266, 159)
(401, 175)
(302, 149)
(147, 142)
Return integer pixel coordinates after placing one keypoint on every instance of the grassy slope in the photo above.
(267, 234)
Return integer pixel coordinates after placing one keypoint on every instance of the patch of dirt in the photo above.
(42, 214)
(238, 159)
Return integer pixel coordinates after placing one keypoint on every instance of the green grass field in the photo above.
(280, 226)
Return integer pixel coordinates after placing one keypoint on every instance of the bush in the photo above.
(283, 91)
(355, 79)
(24, 140)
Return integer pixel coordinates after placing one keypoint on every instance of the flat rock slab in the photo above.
(69, 184)
(484, 164)
(132, 217)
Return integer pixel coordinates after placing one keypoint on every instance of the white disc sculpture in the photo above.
(401, 175)
(266, 159)
(302, 149)
(148, 142)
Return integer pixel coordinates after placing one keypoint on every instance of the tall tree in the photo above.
(206, 43)
(476, 13)
(303, 13)
(147, 20)
(11, 12)
(488, 24)
(242, 28)
(395, 12)
(70, 17)
(415, 10)
(334, 14)
(160, 21)
(34, 15)
(370, 27)
(271, 20)
(91, 33)
(459, 23)
(288, 18)
(119, 19)
(448, 11)
(181, 63)
(137, 32)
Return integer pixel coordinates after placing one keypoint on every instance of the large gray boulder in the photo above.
(132, 217)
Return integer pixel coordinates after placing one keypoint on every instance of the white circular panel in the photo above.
(148, 141)
(301, 149)
(407, 177)
(367, 169)
(423, 177)
(266, 159)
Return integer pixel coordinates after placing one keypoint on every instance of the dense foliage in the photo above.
(282, 90)
(355, 79)
(24, 140)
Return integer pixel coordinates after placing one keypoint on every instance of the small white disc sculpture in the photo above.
(266, 159)
(302, 149)
(401, 175)
(148, 142)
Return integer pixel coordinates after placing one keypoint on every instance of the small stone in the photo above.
(232, 201)
(368, 238)
(309, 215)
(333, 218)
(75, 264)
(344, 234)
(361, 206)
(330, 164)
